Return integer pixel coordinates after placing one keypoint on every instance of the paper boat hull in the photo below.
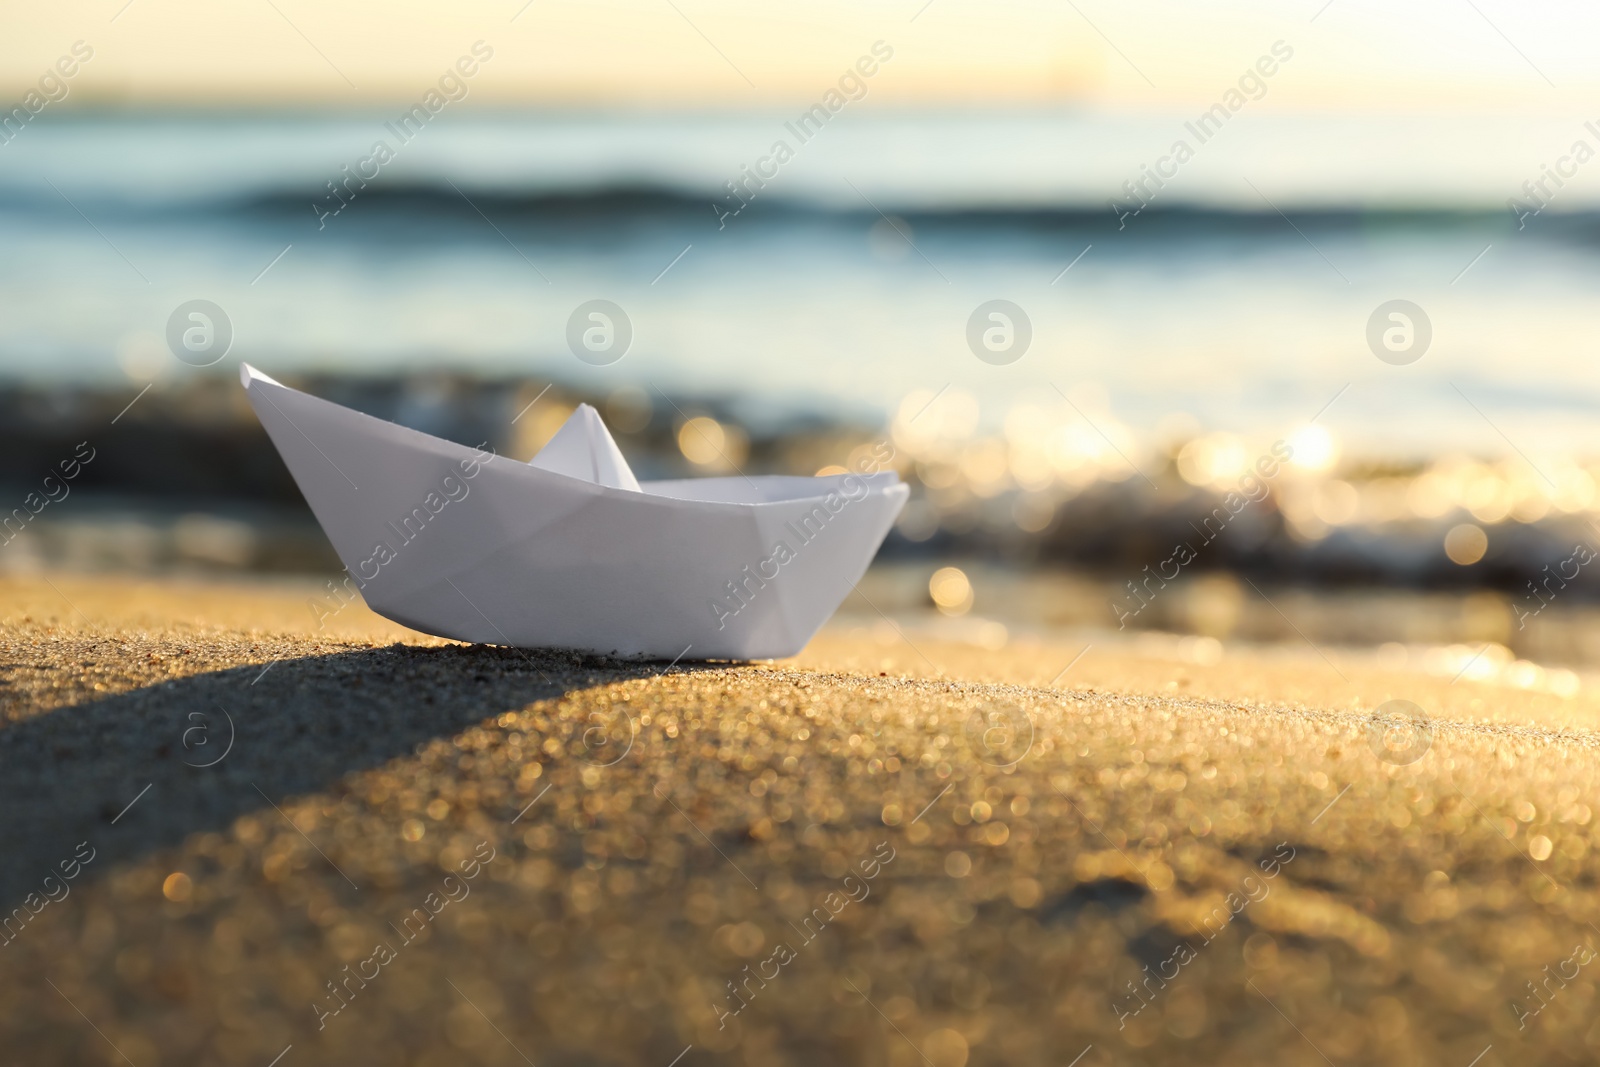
(462, 544)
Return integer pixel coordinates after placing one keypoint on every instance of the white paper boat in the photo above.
(569, 550)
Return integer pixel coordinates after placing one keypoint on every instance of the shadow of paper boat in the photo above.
(569, 550)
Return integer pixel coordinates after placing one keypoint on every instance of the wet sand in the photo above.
(891, 850)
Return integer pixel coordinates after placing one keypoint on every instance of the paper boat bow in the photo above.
(569, 550)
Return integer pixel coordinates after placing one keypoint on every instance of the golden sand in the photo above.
(890, 850)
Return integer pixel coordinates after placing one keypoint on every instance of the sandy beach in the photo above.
(1195, 402)
(366, 846)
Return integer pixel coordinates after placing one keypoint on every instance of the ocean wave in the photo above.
(985, 164)
(583, 201)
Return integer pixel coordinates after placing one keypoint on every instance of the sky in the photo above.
(1463, 56)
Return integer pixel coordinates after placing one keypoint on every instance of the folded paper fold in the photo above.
(569, 550)
(583, 448)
